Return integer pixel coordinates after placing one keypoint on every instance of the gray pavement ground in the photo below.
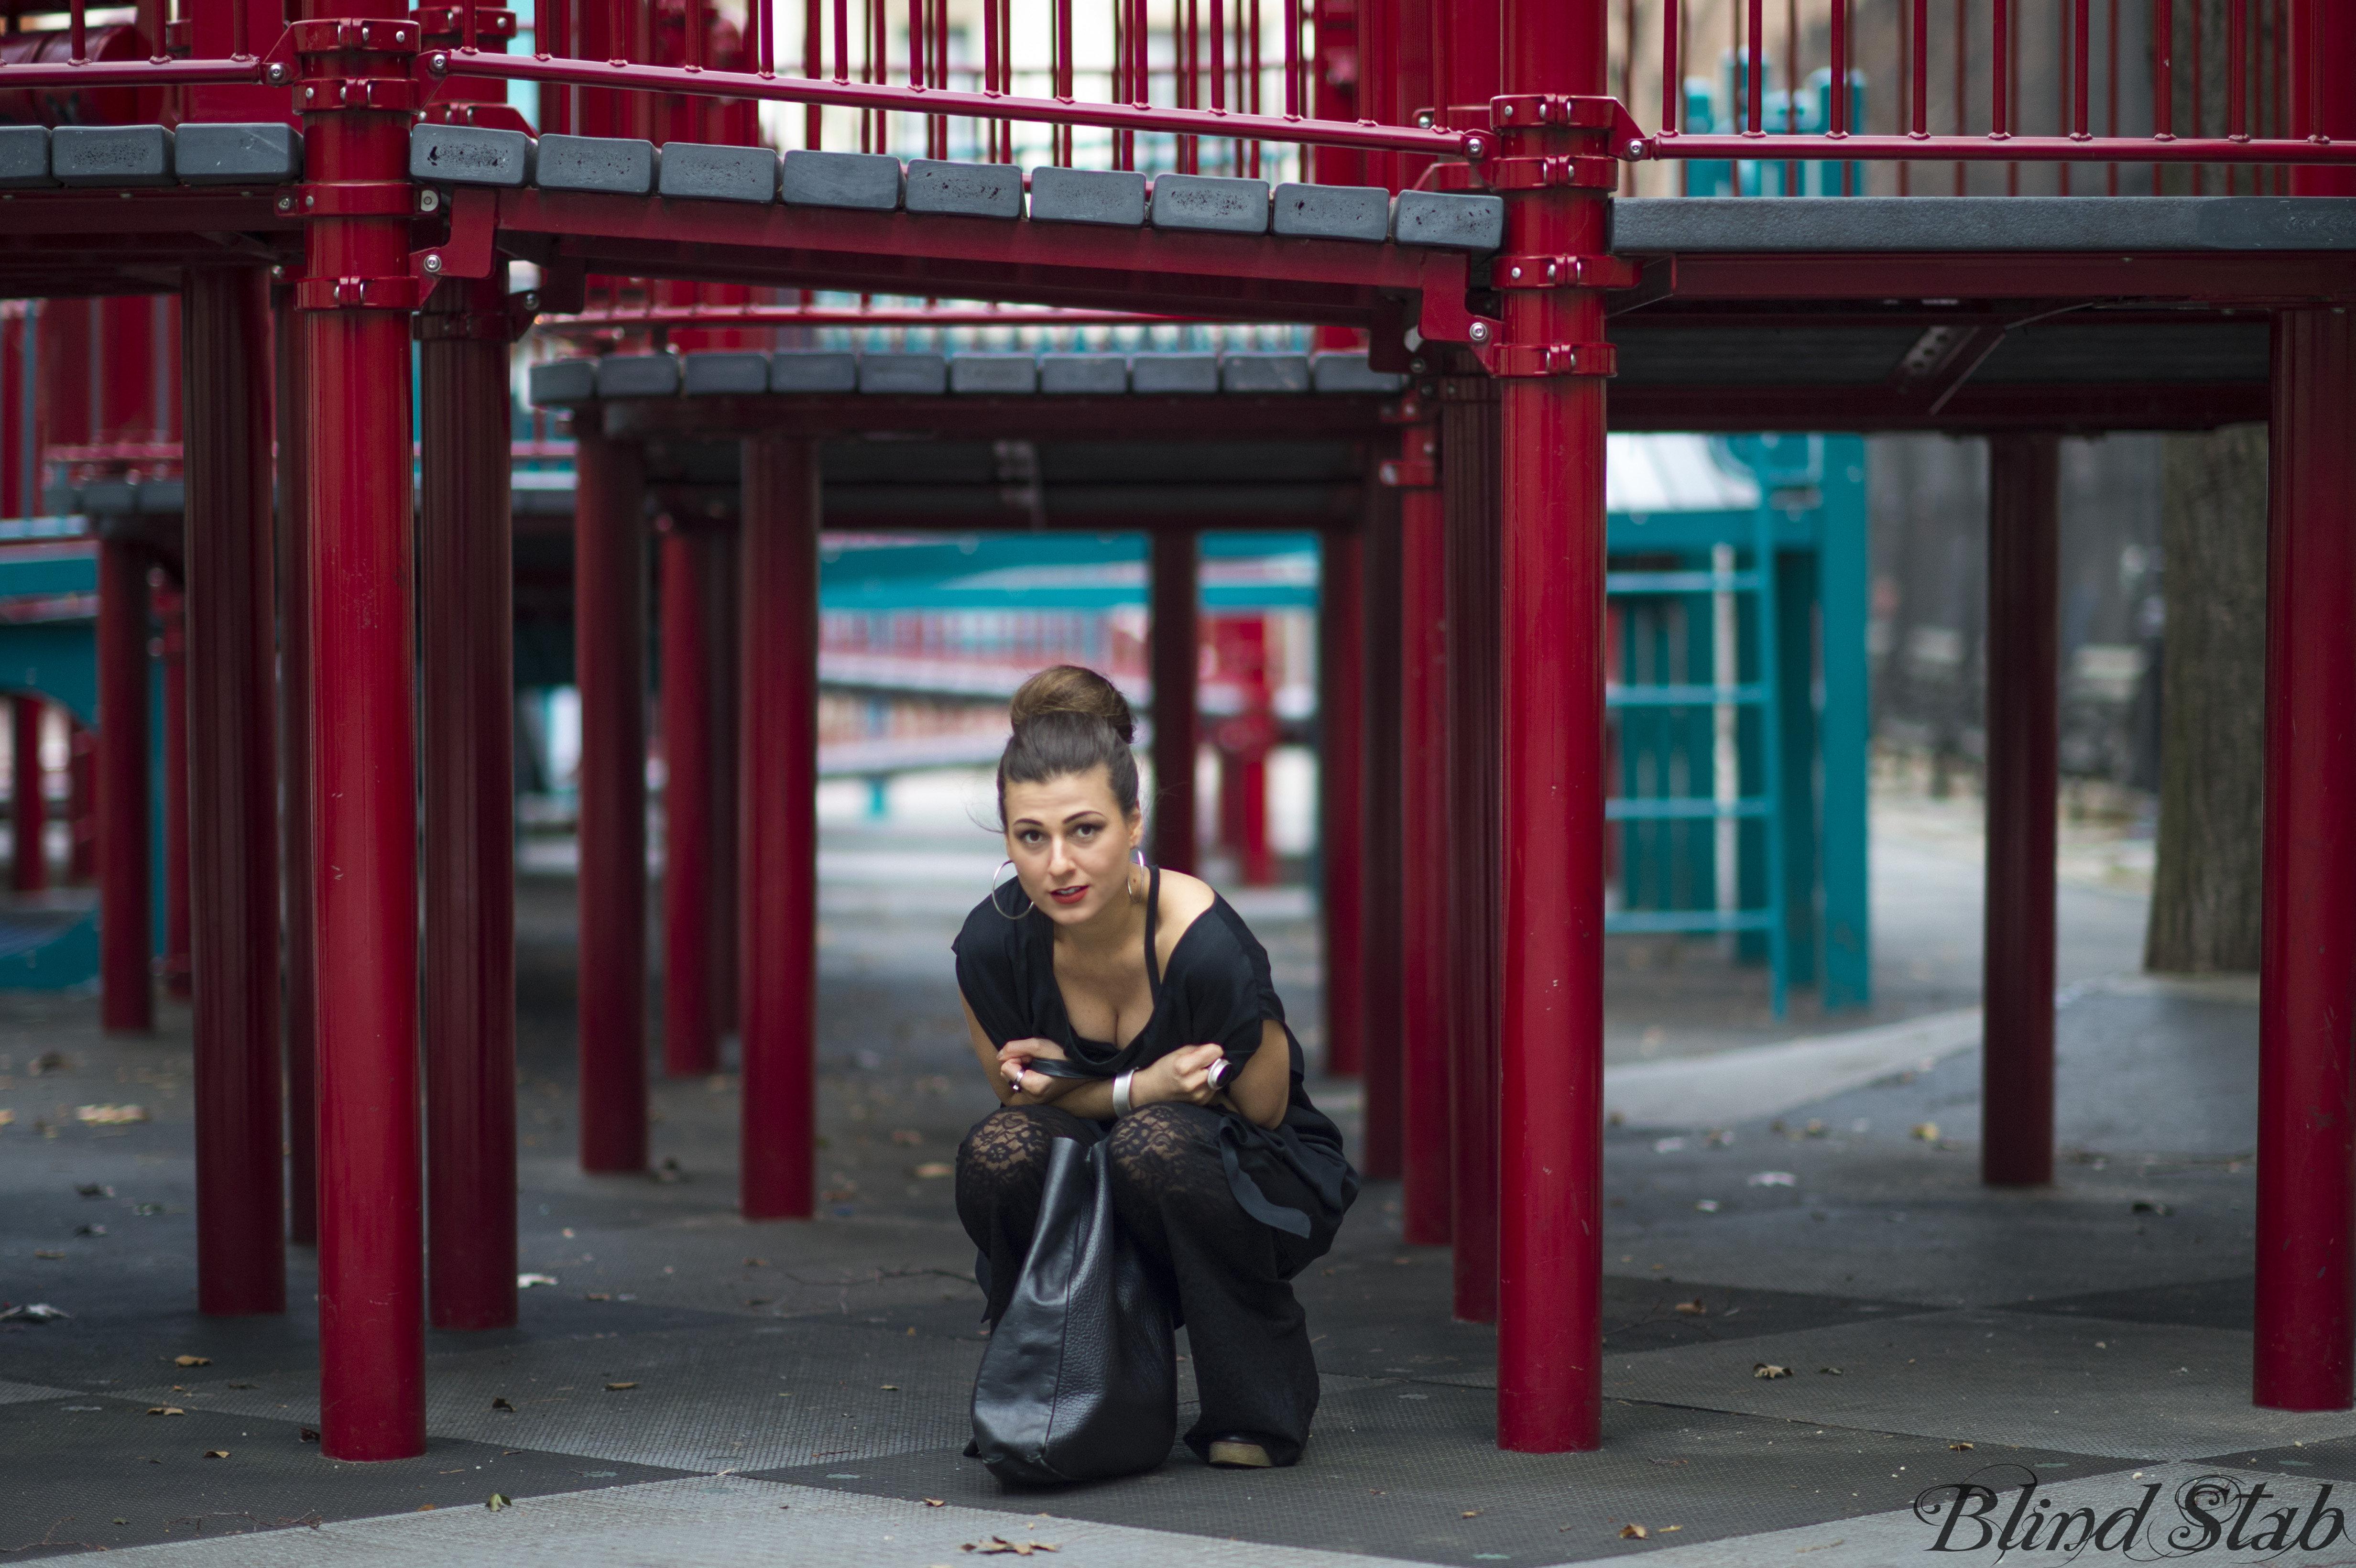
(796, 1392)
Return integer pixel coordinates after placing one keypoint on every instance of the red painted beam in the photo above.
(1340, 790)
(125, 915)
(1176, 654)
(2074, 408)
(609, 619)
(467, 772)
(691, 1027)
(232, 794)
(2023, 740)
(779, 849)
(1426, 1136)
(28, 804)
(171, 615)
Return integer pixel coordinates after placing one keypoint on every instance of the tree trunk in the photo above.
(2205, 901)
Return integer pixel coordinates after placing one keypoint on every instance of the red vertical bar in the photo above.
(691, 1036)
(467, 770)
(28, 807)
(81, 805)
(2198, 104)
(170, 612)
(2111, 88)
(1754, 69)
(2081, 45)
(1175, 659)
(2023, 648)
(1382, 1044)
(1918, 67)
(364, 780)
(1551, 1087)
(1291, 59)
(302, 957)
(1963, 68)
(1341, 789)
(2237, 64)
(1426, 1133)
(779, 568)
(233, 793)
(609, 590)
(2163, 75)
(1999, 78)
(723, 596)
(125, 917)
(1673, 63)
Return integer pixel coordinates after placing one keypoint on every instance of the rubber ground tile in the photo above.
(2090, 1385)
(2326, 1459)
(2198, 1304)
(1402, 1471)
(103, 1472)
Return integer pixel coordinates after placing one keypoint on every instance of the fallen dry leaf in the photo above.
(935, 1502)
(599, 1296)
(757, 1262)
(932, 1169)
(1829, 1371)
(216, 1452)
(999, 1546)
(166, 1409)
(309, 1433)
(1769, 1370)
(499, 1500)
(1927, 1131)
(425, 1508)
(526, 1281)
(192, 1360)
(1693, 1308)
(617, 1388)
(1471, 1514)
(1959, 1447)
(889, 1388)
(1668, 1529)
(1633, 1532)
(110, 1116)
(42, 1255)
(501, 1402)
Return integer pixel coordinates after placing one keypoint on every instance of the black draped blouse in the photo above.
(1293, 1177)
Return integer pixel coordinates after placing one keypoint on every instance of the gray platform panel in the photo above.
(867, 181)
(1448, 222)
(616, 165)
(111, 155)
(971, 190)
(1112, 196)
(718, 374)
(1333, 212)
(469, 154)
(1348, 373)
(221, 153)
(560, 382)
(638, 376)
(1281, 373)
(701, 171)
(810, 370)
(24, 158)
(907, 375)
(1667, 224)
(1083, 375)
(1210, 201)
(1188, 375)
(998, 375)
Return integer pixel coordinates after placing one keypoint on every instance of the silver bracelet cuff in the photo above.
(1120, 1106)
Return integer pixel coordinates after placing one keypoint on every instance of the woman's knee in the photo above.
(1011, 1142)
(1156, 1149)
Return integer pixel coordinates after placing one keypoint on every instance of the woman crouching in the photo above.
(1225, 1177)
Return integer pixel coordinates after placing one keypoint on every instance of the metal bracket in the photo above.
(1563, 272)
(334, 35)
(1543, 174)
(350, 198)
(1534, 111)
(1515, 361)
(1445, 318)
(467, 253)
(393, 94)
(358, 294)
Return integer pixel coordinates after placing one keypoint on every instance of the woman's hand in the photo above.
(1183, 1076)
(1014, 1060)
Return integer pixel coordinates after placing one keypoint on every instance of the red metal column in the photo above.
(233, 793)
(2023, 713)
(1176, 658)
(467, 756)
(125, 911)
(2306, 1113)
(301, 999)
(171, 642)
(2307, 994)
(356, 295)
(723, 613)
(1470, 469)
(1550, 1100)
(779, 568)
(1380, 1037)
(28, 807)
(1341, 790)
(81, 804)
(609, 643)
(691, 1035)
(1427, 1136)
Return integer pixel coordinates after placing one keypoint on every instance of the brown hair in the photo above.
(1069, 720)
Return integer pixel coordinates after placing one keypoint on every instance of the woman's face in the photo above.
(1071, 843)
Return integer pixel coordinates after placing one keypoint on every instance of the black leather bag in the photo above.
(1080, 1381)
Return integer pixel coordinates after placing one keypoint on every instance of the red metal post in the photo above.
(1426, 1137)
(126, 913)
(233, 793)
(1550, 1081)
(2023, 712)
(81, 804)
(779, 738)
(467, 770)
(356, 295)
(2307, 994)
(173, 645)
(723, 615)
(1176, 660)
(301, 958)
(1471, 479)
(609, 638)
(690, 1031)
(1380, 1035)
(28, 806)
(1340, 790)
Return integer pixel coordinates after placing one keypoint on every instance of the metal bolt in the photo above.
(278, 75)
(285, 204)
(1480, 332)
(1517, 272)
(1424, 118)
(1635, 150)
(1551, 271)
(438, 63)
(429, 200)
(434, 260)
(1476, 148)
(1390, 473)
(1416, 367)
(310, 94)
(1506, 112)
(309, 201)
(531, 298)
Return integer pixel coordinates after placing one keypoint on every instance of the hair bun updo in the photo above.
(1068, 720)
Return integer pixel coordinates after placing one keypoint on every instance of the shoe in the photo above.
(1239, 1453)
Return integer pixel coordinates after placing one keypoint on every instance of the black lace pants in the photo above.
(1249, 1335)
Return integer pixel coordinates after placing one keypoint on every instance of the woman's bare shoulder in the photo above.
(1184, 900)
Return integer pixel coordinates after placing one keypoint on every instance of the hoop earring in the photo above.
(995, 885)
(1138, 857)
